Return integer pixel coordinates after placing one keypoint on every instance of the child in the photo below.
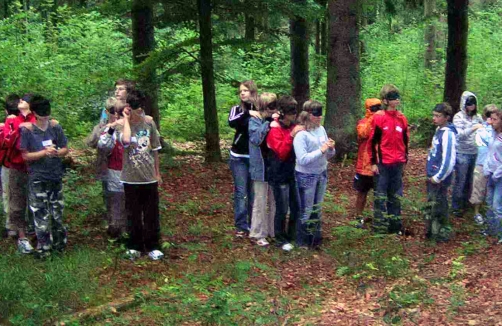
(239, 156)
(440, 164)
(484, 137)
(313, 148)
(262, 221)
(363, 181)
(466, 121)
(281, 171)
(141, 176)
(113, 149)
(43, 147)
(11, 111)
(492, 169)
(389, 154)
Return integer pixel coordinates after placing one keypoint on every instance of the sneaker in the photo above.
(287, 247)
(156, 255)
(262, 242)
(132, 254)
(478, 218)
(24, 246)
(241, 234)
(42, 254)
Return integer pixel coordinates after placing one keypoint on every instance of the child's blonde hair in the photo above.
(386, 89)
(311, 105)
(110, 103)
(304, 120)
(490, 108)
(265, 100)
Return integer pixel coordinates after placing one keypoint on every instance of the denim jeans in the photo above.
(243, 192)
(311, 189)
(462, 187)
(387, 204)
(286, 196)
(436, 214)
(494, 202)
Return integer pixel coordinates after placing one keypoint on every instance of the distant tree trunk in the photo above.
(213, 153)
(83, 3)
(299, 58)
(456, 53)
(430, 33)
(143, 43)
(324, 37)
(250, 27)
(344, 84)
(317, 36)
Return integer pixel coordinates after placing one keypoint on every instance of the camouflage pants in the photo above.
(46, 203)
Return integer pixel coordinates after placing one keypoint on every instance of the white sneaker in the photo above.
(478, 218)
(24, 246)
(287, 247)
(132, 254)
(262, 242)
(156, 255)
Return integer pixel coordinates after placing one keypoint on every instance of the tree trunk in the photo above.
(430, 33)
(143, 43)
(213, 153)
(344, 84)
(317, 36)
(456, 53)
(298, 29)
(250, 27)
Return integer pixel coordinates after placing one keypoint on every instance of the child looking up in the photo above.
(440, 164)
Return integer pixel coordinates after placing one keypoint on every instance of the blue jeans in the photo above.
(436, 215)
(494, 202)
(387, 204)
(311, 189)
(462, 187)
(286, 196)
(243, 192)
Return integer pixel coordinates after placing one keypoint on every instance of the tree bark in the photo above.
(317, 36)
(213, 153)
(143, 43)
(344, 84)
(456, 53)
(250, 28)
(430, 33)
(300, 83)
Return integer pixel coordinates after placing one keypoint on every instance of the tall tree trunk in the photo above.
(456, 53)
(344, 84)
(143, 43)
(298, 29)
(324, 37)
(430, 33)
(317, 36)
(213, 153)
(250, 27)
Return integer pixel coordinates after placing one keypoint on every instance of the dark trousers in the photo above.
(436, 217)
(286, 197)
(142, 210)
(387, 205)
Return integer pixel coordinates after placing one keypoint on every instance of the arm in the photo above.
(93, 138)
(448, 159)
(364, 128)
(35, 156)
(106, 142)
(279, 143)
(157, 166)
(258, 131)
(237, 117)
(11, 133)
(302, 156)
(463, 132)
(126, 133)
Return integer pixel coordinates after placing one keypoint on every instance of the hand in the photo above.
(374, 169)
(275, 116)
(274, 124)
(127, 113)
(477, 126)
(2, 125)
(51, 151)
(331, 143)
(10, 116)
(255, 114)
(54, 122)
(159, 179)
(324, 147)
(296, 130)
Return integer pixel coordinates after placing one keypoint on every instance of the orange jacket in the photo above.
(363, 164)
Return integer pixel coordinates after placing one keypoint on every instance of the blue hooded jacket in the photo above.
(442, 154)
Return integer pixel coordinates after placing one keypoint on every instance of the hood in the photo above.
(451, 126)
(369, 103)
(463, 99)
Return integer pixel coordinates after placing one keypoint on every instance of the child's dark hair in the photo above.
(129, 84)
(136, 99)
(11, 102)
(287, 105)
(40, 105)
(444, 108)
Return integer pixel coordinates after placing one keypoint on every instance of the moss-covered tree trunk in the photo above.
(430, 33)
(213, 153)
(344, 84)
(143, 43)
(299, 36)
(456, 52)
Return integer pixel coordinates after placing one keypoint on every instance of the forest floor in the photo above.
(210, 277)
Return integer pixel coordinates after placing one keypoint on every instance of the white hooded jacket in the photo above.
(466, 142)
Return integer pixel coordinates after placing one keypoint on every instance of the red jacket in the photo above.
(12, 140)
(116, 157)
(389, 138)
(363, 163)
(3, 151)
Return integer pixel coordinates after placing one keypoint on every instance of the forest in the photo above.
(190, 56)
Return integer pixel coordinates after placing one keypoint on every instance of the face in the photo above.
(489, 120)
(121, 92)
(42, 118)
(393, 103)
(316, 120)
(439, 119)
(244, 93)
(496, 122)
(23, 105)
(137, 114)
(289, 119)
(470, 108)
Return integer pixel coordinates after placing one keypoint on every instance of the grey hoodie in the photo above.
(466, 143)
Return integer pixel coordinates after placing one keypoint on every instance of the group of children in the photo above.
(279, 163)
(31, 150)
